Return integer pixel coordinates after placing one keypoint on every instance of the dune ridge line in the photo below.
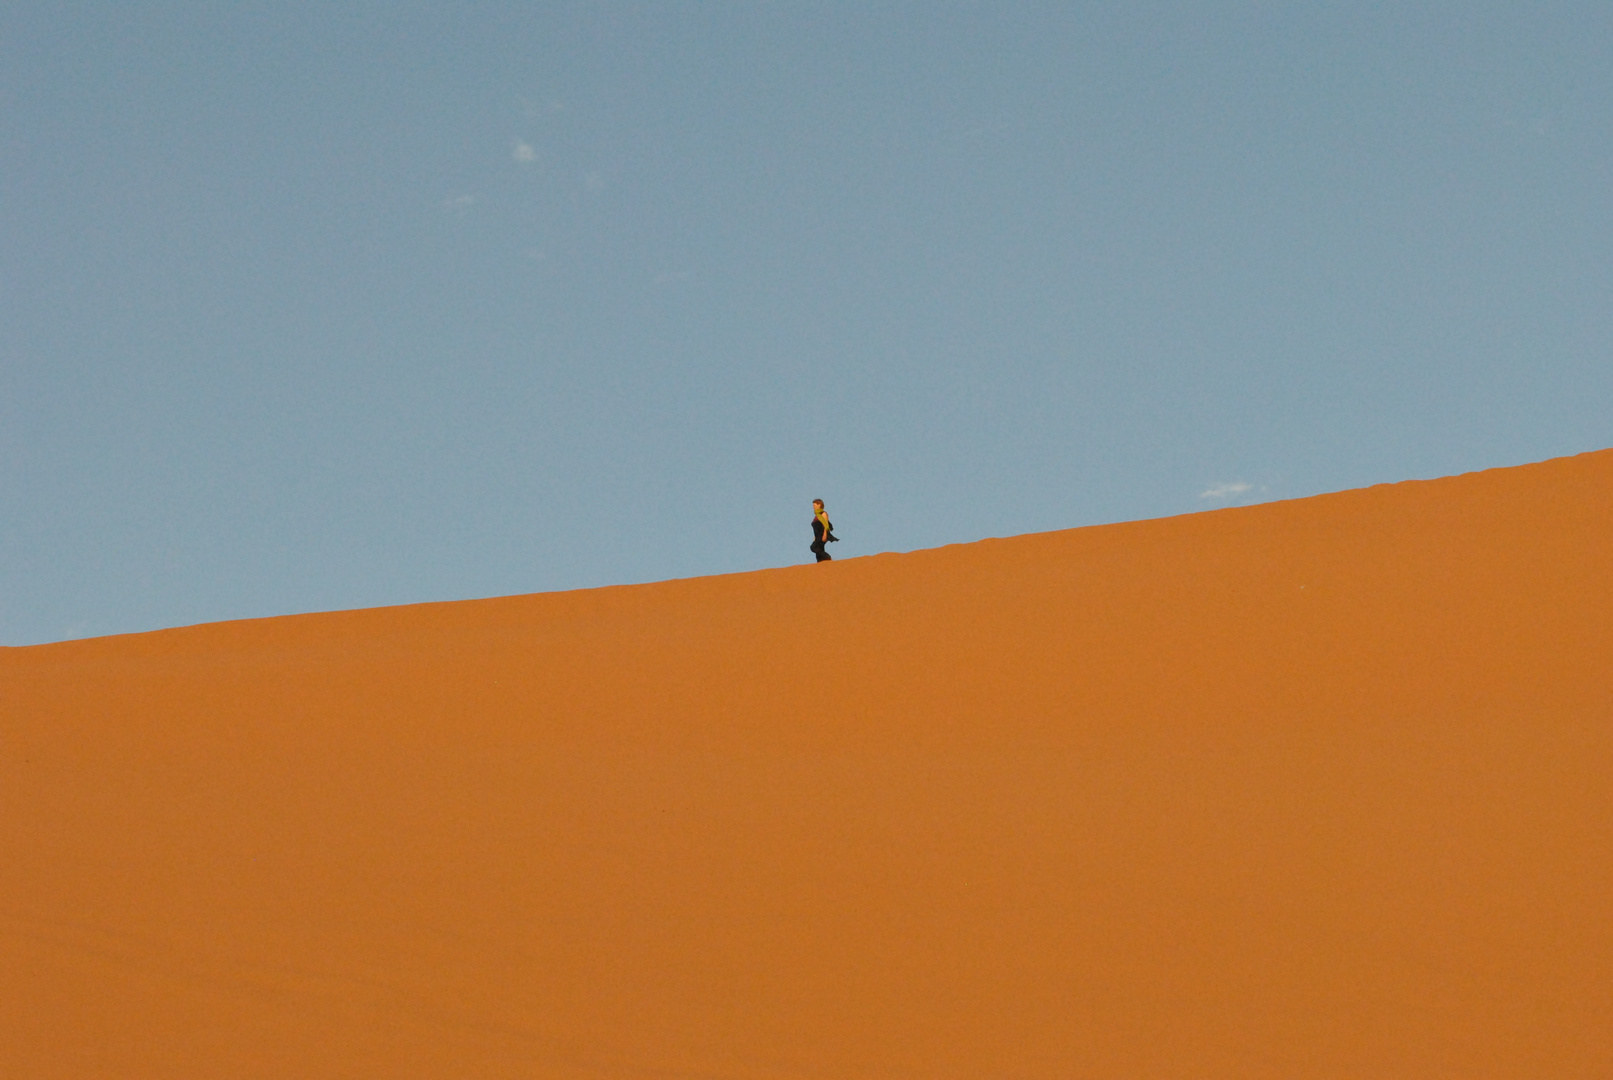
(1321, 787)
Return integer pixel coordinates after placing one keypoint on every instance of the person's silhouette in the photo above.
(822, 531)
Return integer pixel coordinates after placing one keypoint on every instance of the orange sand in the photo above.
(1320, 788)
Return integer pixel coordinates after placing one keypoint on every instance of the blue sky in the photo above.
(314, 306)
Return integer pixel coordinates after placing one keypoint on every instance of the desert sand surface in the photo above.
(1318, 788)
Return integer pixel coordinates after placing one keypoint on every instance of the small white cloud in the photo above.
(1225, 491)
(524, 151)
(459, 202)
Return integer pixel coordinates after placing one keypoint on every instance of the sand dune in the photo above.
(1320, 788)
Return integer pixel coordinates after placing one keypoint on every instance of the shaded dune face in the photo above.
(1319, 788)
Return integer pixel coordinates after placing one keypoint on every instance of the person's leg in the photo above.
(817, 549)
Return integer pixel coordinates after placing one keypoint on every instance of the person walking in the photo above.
(822, 531)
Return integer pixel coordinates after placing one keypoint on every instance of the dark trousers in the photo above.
(817, 549)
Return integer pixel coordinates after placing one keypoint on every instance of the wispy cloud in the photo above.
(1225, 491)
(459, 202)
(538, 108)
(524, 151)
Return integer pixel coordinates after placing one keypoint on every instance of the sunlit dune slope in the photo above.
(1319, 788)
